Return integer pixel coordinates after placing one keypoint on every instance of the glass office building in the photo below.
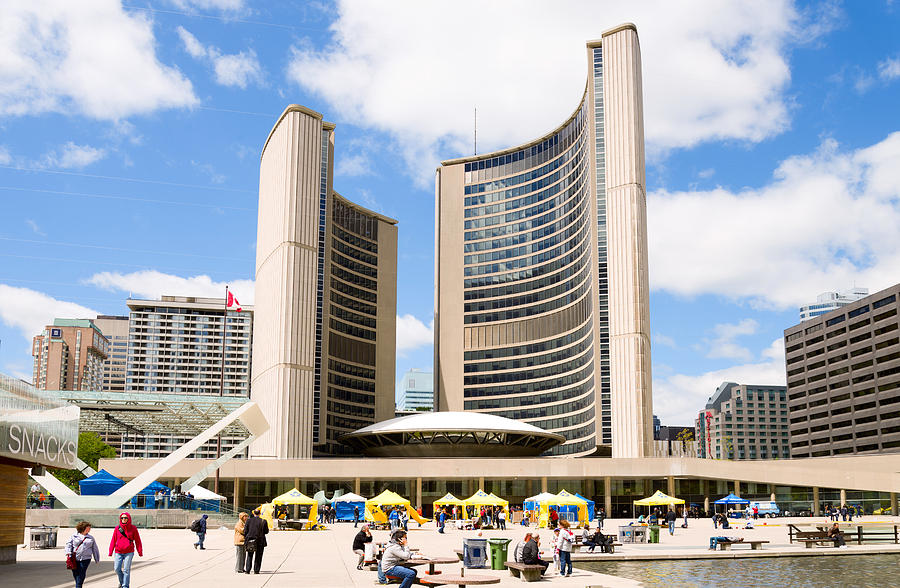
(542, 308)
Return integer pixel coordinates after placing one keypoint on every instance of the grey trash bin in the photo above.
(474, 553)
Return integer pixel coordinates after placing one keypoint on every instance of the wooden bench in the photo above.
(808, 542)
(527, 572)
(612, 548)
(726, 545)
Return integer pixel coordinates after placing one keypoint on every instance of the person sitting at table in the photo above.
(835, 534)
(359, 544)
(531, 554)
(395, 554)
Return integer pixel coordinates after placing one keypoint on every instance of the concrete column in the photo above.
(543, 483)
(237, 493)
(528, 490)
(418, 492)
(772, 492)
(607, 495)
(894, 503)
(356, 486)
(297, 506)
(481, 482)
(590, 488)
(670, 485)
(737, 487)
(706, 503)
(815, 501)
(844, 497)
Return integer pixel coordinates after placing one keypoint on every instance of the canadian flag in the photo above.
(232, 303)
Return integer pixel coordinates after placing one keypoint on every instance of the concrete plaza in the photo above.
(324, 558)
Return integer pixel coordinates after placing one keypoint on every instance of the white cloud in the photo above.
(824, 220)
(223, 5)
(72, 156)
(34, 227)
(353, 165)
(889, 69)
(715, 71)
(706, 173)
(239, 69)
(678, 398)
(5, 157)
(29, 311)
(724, 344)
(413, 333)
(152, 284)
(664, 340)
(89, 57)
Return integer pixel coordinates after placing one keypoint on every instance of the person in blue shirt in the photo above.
(201, 533)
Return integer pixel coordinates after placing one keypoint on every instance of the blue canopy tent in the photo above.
(146, 498)
(590, 504)
(731, 499)
(100, 484)
(344, 505)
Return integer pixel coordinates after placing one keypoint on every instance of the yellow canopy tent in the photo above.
(658, 498)
(374, 511)
(482, 498)
(296, 497)
(567, 499)
(446, 500)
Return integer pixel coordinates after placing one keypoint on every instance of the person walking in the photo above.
(199, 527)
(671, 517)
(501, 519)
(239, 552)
(601, 516)
(564, 543)
(125, 541)
(355, 516)
(255, 530)
(442, 518)
(359, 545)
(82, 546)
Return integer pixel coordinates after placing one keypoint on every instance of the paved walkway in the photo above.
(324, 559)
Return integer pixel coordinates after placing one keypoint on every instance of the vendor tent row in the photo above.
(104, 484)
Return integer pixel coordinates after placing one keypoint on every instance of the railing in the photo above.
(852, 533)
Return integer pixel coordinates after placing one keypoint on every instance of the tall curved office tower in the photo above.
(326, 299)
(542, 295)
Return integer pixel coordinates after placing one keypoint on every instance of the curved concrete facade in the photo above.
(302, 262)
(542, 297)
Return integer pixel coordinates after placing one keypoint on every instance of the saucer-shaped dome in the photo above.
(451, 434)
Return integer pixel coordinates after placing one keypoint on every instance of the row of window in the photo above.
(532, 247)
(541, 327)
(355, 240)
(534, 297)
(546, 411)
(531, 387)
(351, 350)
(354, 291)
(557, 354)
(542, 398)
(516, 313)
(353, 252)
(354, 220)
(529, 349)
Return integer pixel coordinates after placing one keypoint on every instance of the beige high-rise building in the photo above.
(115, 329)
(326, 298)
(542, 293)
(69, 355)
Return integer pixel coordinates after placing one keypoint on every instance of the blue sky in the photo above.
(130, 140)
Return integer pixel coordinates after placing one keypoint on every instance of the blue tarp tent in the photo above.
(732, 499)
(344, 504)
(146, 498)
(590, 506)
(100, 484)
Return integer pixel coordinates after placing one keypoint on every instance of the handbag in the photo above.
(71, 562)
(250, 545)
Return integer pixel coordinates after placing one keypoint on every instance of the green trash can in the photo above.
(654, 534)
(499, 549)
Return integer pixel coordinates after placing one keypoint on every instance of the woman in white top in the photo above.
(564, 544)
(83, 546)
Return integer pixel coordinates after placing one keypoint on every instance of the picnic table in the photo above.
(432, 562)
(459, 580)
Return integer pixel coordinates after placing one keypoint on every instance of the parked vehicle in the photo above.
(765, 508)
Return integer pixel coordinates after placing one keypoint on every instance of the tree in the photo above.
(91, 449)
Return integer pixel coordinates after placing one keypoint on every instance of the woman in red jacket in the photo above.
(125, 540)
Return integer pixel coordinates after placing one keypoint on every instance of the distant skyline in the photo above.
(129, 154)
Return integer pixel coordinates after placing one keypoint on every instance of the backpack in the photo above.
(195, 526)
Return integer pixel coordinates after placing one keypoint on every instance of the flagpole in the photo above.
(221, 385)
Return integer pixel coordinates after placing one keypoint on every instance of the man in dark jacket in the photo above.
(255, 530)
(531, 554)
(671, 517)
(201, 532)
